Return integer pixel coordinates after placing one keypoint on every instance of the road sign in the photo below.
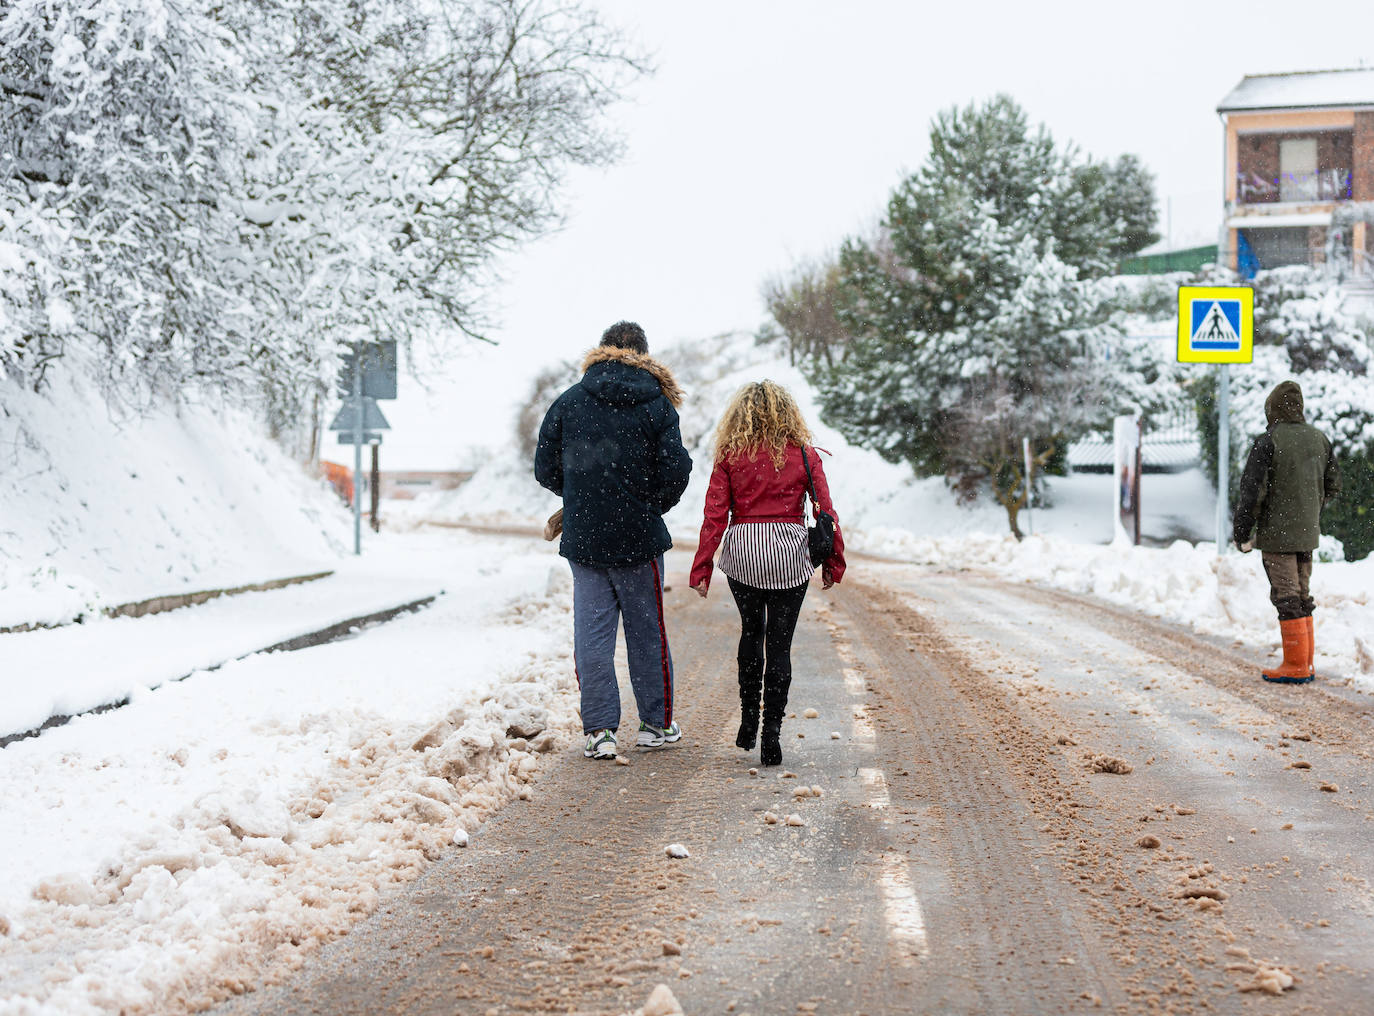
(379, 370)
(346, 418)
(1216, 324)
(369, 437)
(368, 373)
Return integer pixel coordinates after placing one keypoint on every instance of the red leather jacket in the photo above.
(744, 490)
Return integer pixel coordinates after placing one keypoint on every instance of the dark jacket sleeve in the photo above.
(548, 453)
(1331, 479)
(1254, 484)
(674, 462)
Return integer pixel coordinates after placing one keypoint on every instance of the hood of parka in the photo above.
(1284, 404)
(622, 377)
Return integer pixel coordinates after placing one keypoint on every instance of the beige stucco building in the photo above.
(1299, 173)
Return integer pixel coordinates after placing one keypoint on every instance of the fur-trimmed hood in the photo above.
(615, 387)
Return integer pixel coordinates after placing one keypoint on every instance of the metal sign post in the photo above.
(357, 450)
(1223, 457)
(1026, 454)
(1216, 324)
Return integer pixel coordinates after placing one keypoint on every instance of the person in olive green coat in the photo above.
(1290, 476)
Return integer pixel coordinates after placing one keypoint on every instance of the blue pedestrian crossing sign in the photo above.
(1216, 324)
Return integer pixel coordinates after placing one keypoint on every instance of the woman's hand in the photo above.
(700, 587)
(827, 580)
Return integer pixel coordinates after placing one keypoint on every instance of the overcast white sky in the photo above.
(772, 129)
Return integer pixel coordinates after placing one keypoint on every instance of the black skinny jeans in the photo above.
(768, 619)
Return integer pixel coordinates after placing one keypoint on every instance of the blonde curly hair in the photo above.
(761, 416)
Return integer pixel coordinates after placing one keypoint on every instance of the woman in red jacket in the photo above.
(755, 513)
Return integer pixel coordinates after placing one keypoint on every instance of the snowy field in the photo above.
(158, 857)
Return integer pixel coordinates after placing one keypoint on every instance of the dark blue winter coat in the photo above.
(611, 448)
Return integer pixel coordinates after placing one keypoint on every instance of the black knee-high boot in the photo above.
(750, 685)
(774, 707)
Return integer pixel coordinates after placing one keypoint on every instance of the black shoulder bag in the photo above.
(820, 538)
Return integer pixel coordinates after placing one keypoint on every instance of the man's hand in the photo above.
(700, 587)
(1247, 546)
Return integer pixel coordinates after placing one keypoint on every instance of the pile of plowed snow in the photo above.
(162, 856)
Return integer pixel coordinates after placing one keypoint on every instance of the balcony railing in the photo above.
(1326, 185)
(1337, 264)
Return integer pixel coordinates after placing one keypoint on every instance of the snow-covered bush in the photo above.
(1298, 309)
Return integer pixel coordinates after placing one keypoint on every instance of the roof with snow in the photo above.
(1301, 90)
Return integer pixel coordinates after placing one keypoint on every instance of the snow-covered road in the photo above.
(976, 839)
(1006, 801)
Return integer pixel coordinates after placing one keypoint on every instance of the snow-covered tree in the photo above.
(974, 322)
(227, 192)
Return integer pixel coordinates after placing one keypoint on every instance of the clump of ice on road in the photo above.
(1266, 977)
(661, 1002)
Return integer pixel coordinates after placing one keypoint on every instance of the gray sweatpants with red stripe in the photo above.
(601, 598)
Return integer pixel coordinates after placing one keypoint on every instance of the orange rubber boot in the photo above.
(1294, 668)
(1311, 646)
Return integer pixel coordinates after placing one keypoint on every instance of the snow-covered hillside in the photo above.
(100, 507)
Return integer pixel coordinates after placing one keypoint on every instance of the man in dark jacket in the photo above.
(1289, 477)
(611, 448)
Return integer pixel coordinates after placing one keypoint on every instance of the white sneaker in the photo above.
(600, 744)
(656, 737)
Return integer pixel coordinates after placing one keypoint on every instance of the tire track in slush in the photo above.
(1008, 935)
(567, 902)
(1212, 781)
(1339, 715)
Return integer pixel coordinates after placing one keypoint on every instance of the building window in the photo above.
(1298, 169)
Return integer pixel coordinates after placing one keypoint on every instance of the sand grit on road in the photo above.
(992, 800)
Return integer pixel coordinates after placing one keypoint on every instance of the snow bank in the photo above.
(90, 665)
(100, 507)
(160, 857)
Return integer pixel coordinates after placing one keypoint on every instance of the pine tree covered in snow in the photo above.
(225, 193)
(972, 320)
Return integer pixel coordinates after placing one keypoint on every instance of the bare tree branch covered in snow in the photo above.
(223, 194)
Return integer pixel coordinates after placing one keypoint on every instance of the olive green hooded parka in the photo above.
(1289, 476)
